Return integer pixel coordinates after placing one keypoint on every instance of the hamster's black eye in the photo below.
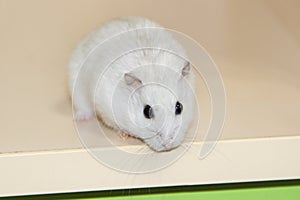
(178, 108)
(148, 113)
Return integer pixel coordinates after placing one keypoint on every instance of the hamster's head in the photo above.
(160, 105)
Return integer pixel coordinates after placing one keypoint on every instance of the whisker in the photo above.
(151, 136)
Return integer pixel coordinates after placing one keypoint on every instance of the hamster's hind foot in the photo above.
(83, 116)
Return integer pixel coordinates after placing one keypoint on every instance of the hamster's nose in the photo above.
(166, 141)
(166, 144)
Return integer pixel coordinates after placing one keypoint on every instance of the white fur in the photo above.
(120, 105)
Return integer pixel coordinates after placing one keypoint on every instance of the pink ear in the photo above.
(130, 79)
(186, 69)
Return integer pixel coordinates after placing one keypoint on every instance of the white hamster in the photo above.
(135, 76)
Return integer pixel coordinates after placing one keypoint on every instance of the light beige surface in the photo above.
(256, 45)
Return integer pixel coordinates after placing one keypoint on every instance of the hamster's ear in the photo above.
(131, 79)
(186, 69)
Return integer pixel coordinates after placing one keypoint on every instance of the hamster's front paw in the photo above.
(83, 116)
(123, 135)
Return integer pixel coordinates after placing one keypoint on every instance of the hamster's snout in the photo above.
(166, 142)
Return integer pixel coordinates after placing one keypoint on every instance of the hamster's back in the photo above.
(99, 35)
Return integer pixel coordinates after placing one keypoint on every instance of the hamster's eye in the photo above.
(178, 108)
(148, 112)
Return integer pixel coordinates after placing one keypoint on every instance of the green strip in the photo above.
(281, 193)
(273, 190)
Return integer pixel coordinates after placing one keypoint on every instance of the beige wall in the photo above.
(256, 45)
